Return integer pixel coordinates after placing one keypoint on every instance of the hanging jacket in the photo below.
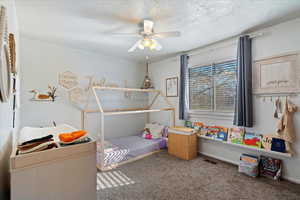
(285, 126)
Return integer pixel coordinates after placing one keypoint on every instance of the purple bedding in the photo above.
(138, 145)
(132, 146)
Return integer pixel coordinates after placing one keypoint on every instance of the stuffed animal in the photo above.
(147, 134)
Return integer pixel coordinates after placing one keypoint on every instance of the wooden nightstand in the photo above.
(182, 143)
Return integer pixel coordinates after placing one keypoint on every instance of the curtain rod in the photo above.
(251, 35)
(190, 52)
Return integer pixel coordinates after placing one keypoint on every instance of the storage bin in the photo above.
(249, 165)
(182, 143)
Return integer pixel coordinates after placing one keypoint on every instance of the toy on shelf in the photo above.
(236, 135)
(189, 124)
(267, 141)
(203, 131)
(198, 125)
(252, 139)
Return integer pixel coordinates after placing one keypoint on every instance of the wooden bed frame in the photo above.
(124, 111)
(113, 166)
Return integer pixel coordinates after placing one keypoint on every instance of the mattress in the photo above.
(125, 148)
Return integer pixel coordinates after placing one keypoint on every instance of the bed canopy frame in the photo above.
(123, 111)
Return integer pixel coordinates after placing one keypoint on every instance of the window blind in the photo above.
(212, 87)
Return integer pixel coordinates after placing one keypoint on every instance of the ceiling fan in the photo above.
(149, 37)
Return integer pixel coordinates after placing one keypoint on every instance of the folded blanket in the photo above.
(31, 145)
(41, 147)
(71, 137)
(81, 140)
(42, 139)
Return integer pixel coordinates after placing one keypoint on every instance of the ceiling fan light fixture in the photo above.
(141, 46)
(147, 42)
(153, 45)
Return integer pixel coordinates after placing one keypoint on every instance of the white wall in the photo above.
(6, 114)
(43, 61)
(278, 39)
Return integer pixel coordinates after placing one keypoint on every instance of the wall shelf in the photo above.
(43, 100)
(288, 155)
(138, 111)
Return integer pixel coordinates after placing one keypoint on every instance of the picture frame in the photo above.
(5, 67)
(277, 74)
(5, 75)
(172, 87)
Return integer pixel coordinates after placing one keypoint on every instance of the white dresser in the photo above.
(65, 173)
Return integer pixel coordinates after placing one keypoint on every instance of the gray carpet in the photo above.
(162, 176)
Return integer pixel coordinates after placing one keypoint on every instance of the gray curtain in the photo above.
(183, 95)
(243, 115)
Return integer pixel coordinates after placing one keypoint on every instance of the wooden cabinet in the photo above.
(182, 143)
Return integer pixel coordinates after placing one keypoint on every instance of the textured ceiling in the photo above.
(87, 24)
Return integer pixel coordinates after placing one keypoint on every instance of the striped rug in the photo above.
(112, 179)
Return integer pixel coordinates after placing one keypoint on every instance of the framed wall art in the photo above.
(278, 74)
(172, 87)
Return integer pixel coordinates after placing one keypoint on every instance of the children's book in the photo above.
(212, 131)
(222, 134)
(236, 135)
(203, 131)
(252, 139)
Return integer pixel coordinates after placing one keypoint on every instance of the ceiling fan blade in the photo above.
(158, 47)
(134, 46)
(148, 26)
(125, 34)
(167, 34)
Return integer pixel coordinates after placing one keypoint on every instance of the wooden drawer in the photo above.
(182, 146)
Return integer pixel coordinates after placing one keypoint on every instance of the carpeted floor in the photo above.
(162, 176)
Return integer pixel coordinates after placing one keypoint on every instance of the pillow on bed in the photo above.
(155, 130)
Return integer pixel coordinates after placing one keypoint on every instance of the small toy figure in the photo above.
(147, 134)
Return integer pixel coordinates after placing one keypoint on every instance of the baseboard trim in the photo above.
(218, 158)
(293, 180)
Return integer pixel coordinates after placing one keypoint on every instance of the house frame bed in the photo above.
(124, 111)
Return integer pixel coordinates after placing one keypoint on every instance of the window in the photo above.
(213, 87)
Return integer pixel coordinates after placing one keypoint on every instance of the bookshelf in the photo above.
(288, 155)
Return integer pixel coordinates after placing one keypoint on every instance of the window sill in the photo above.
(211, 115)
